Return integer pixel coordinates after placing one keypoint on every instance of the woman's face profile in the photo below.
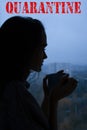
(39, 55)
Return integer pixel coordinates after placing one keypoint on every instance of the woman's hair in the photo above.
(20, 36)
(22, 33)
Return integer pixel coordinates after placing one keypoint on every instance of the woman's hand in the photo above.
(63, 88)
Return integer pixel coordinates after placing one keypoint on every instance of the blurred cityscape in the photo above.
(72, 110)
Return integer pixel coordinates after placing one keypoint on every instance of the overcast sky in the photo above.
(66, 33)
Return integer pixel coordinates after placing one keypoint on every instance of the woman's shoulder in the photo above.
(18, 91)
(14, 89)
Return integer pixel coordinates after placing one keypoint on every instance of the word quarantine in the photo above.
(43, 7)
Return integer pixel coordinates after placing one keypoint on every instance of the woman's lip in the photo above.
(42, 63)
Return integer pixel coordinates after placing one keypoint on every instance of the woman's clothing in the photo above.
(19, 110)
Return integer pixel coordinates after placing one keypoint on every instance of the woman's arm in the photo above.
(51, 112)
(50, 103)
(49, 108)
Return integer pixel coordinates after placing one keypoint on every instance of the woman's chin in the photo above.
(37, 69)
